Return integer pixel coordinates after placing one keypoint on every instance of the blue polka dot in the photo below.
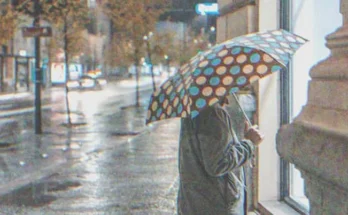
(247, 50)
(201, 103)
(235, 70)
(255, 58)
(194, 91)
(233, 90)
(197, 72)
(176, 78)
(161, 98)
(178, 83)
(214, 81)
(159, 112)
(180, 108)
(241, 80)
(211, 56)
(216, 61)
(208, 71)
(194, 113)
(236, 50)
(276, 68)
(172, 96)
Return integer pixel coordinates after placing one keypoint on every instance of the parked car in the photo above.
(86, 82)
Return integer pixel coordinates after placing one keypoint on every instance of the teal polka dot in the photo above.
(214, 81)
(194, 113)
(294, 46)
(161, 98)
(201, 103)
(275, 45)
(284, 57)
(255, 38)
(194, 91)
(235, 70)
(208, 71)
(241, 80)
(280, 38)
(172, 96)
(211, 56)
(218, 48)
(233, 90)
(236, 50)
(180, 108)
(197, 72)
(173, 114)
(255, 58)
(216, 61)
(153, 118)
(247, 50)
(182, 93)
(159, 112)
(270, 50)
(276, 68)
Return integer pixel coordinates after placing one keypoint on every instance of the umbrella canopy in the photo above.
(223, 69)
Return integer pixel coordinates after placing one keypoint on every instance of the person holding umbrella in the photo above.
(210, 163)
(211, 156)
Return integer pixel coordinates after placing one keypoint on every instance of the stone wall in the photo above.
(317, 141)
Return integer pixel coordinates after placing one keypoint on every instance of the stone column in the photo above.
(317, 140)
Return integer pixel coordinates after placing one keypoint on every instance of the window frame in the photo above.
(286, 98)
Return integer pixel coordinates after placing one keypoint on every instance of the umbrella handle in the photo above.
(240, 106)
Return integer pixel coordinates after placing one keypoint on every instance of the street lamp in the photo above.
(148, 49)
(166, 57)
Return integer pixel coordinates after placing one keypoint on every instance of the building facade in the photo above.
(302, 167)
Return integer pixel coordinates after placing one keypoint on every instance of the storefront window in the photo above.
(309, 19)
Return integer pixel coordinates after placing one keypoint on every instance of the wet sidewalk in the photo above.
(112, 165)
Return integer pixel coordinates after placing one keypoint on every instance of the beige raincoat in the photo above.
(210, 165)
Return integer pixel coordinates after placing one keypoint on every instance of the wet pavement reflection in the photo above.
(110, 164)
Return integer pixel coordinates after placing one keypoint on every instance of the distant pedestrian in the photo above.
(210, 163)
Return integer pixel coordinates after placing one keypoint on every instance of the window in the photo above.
(305, 18)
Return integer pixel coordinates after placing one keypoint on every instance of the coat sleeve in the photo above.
(220, 153)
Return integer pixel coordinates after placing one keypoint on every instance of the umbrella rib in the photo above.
(240, 106)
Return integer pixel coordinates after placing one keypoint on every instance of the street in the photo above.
(108, 162)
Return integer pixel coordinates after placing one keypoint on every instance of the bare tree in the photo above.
(135, 18)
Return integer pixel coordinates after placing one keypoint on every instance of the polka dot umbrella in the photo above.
(223, 69)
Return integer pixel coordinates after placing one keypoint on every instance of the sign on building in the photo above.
(207, 9)
(37, 31)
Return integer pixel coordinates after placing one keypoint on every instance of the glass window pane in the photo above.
(309, 22)
(297, 192)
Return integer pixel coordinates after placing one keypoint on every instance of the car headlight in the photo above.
(88, 83)
(72, 84)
